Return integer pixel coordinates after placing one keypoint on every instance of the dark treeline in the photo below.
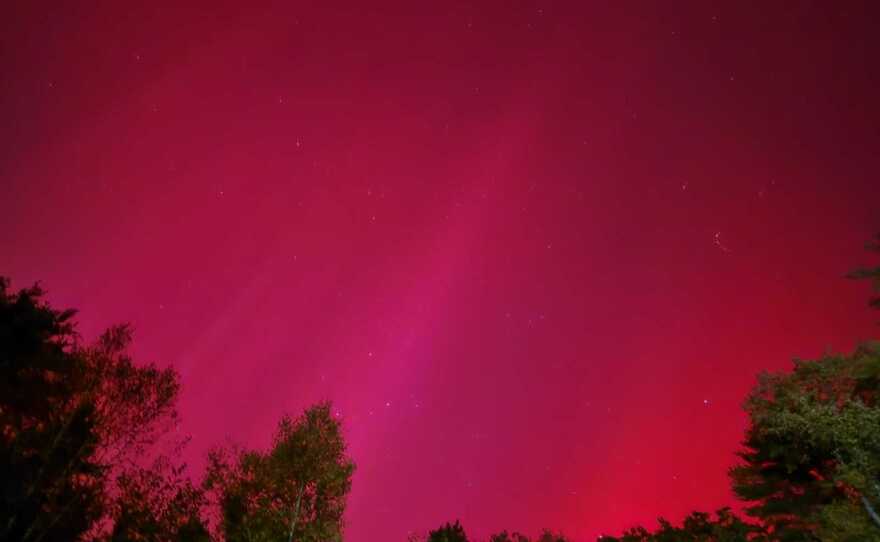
(88, 452)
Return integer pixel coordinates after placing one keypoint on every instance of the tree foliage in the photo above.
(697, 527)
(454, 532)
(812, 450)
(52, 480)
(504, 536)
(550, 536)
(76, 422)
(295, 491)
(449, 532)
(156, 504)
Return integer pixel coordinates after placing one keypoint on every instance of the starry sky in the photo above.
(535, 253)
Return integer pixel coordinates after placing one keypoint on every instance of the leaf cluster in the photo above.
(296, 490)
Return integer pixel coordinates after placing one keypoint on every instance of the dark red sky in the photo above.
(535, 255)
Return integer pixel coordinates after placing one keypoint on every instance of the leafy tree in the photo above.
(296, 491)
(158, 504)
(450, 532)
(812, 451)
(697, 527)
(845, 521)
(135, 407)
(135, 404)
(811, 457)
(76, 421)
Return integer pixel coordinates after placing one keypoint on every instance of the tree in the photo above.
(77, 421)
(546, 536)
(450, 532)
(812, 450)
(135, 405)
(549, 536)
(296, 491)
(697, 527)
(811, 457)
(158, 504)
(504, 536)
(52, 484)
(149, 497)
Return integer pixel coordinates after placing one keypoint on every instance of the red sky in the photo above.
(535, 255)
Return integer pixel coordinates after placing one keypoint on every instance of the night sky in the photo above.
(535, 255)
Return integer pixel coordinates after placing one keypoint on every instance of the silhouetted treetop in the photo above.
(449, 532)
(77, 423)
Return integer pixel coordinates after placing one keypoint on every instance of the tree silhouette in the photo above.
(550, 536)
(52, 482)
(135, 408)
(454, 532)
(77, 422)
(504, 536)
(697, 527)
(157, 504)
(450, 532)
